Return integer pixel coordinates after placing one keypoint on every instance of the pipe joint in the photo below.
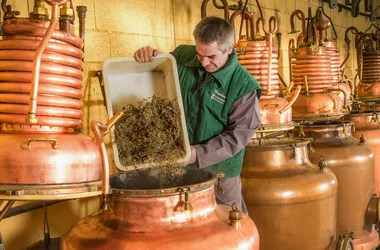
(40, 11)
(31, 118)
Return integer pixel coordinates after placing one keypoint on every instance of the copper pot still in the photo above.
(43, 153)
(352, 162)
(292, 201)
(257, 54)
(367, 127)
(177, 214)
(311, 68)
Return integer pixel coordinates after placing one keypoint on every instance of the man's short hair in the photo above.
(213, 28)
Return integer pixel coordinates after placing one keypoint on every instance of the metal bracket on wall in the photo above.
(369, 5)
(99, 74)
(2, 247)
(353, 6)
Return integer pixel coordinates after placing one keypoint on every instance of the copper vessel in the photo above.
(314, 64)
(368, 124)
(43, 154)
(259, 57)
(352, 162)
(149, 213)
(368, 57)
(288, 196)
(311, 69)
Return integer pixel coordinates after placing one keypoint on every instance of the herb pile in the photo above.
(150, 132)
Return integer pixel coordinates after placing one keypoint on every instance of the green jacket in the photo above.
(207, 102)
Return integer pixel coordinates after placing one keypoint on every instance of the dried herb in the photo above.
(150, 132)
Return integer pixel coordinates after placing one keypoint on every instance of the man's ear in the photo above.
(229, 50)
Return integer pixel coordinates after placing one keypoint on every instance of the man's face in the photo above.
(211, 57)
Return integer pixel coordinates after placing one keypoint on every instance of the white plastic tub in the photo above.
(128, 82)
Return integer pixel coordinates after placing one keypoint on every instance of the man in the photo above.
(220, 101)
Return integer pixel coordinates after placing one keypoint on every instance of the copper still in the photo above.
(367, 125)
(43, 153)
(353, 165)
(292, 201)
(146, 212)
(259, 57)
(314, 65)
(368, 57)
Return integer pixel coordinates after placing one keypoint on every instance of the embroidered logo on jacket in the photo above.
(218, 97)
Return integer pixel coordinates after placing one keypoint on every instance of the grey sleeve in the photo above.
(244, 120)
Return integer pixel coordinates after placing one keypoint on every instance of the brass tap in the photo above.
(322, 163)
(363, 139)
(186, 205)
(235, 216)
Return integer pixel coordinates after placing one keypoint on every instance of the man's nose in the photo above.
(205, 61)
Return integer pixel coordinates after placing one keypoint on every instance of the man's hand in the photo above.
(192, 158)
(145, 54)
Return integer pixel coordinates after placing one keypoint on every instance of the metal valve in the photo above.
(322, 163)
(235, 216)
(186, 205)
(220, 185)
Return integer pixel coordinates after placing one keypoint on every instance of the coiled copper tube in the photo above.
(31, 44)
(59, 78)
(315, 65)
(13, 29)
(44, 88)
(334, 54)
(45, 78)
(27, 55)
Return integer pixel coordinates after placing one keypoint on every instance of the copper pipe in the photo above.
(44, 88)
(82, 10)
(117, 116)
(351, 85)
(242, 17)
(42, 121)
(258, 21)
(28, 55)
(33, 45)
(249, 17)
(103, 153)
(42, 67)
(301, 16)
(6, 208)
(225, 7)
(41, 110)
(45, 78)
(271, 31)
(295, 95)
(354, 31)
(54, 101)
(337, 88)
(36, 66)
(13, 29)
(291, 48)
